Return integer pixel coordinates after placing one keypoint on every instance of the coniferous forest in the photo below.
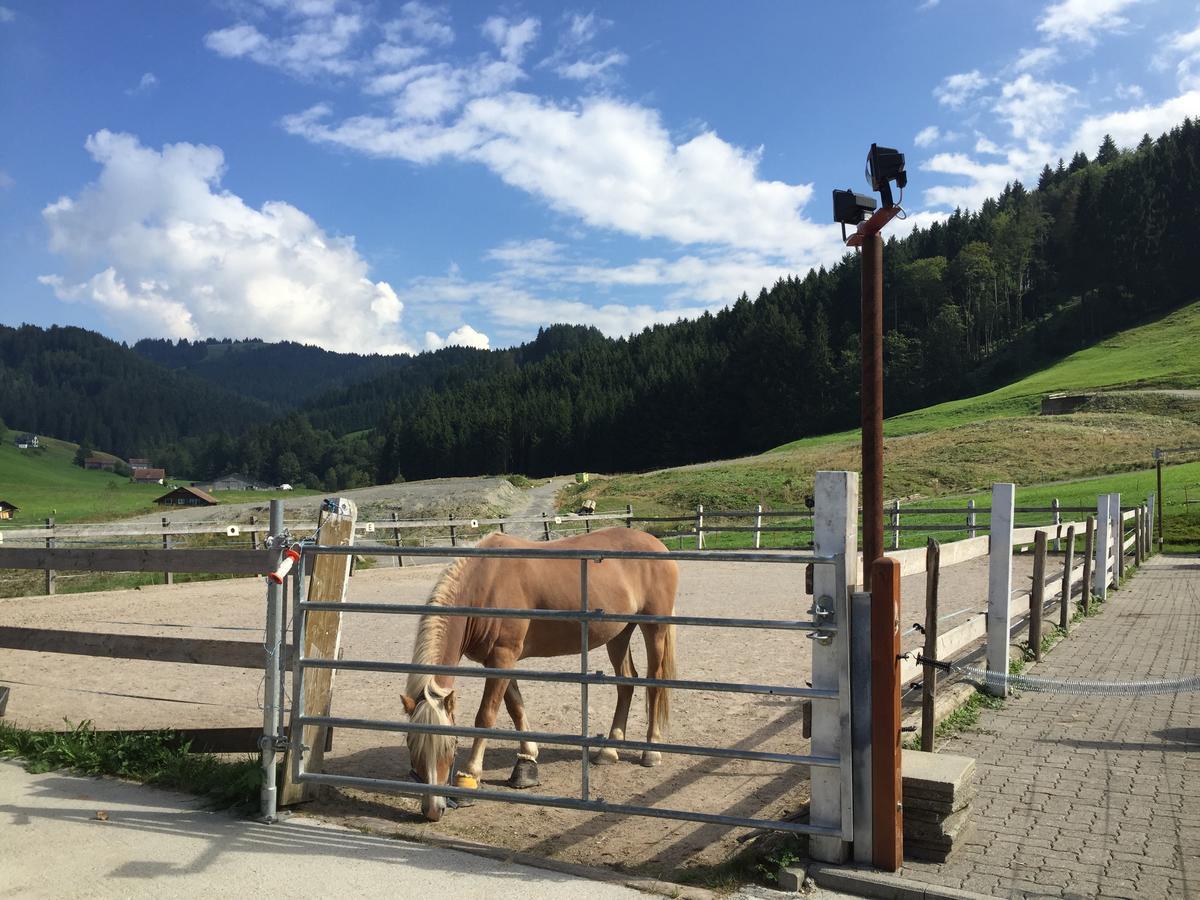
(970, 303)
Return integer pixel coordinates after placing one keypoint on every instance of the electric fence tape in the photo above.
(1065, 686)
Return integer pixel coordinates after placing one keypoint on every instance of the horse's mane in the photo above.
(431, 633)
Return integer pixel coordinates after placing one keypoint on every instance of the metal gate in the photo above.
(831, 816)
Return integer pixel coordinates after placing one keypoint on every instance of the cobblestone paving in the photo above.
(1083, 796)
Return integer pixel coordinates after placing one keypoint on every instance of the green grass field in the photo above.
(45, 482)
(957, 449)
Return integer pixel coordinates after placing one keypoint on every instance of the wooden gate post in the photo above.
(933, 554)
(887, 816)
(1037, 596)
(999, 614)
(1064, 616)
(321, 640)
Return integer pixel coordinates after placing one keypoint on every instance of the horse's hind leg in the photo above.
(659, 664)
(622, 660)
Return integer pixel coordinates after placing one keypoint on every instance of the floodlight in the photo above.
(884, 165)
(850, 208)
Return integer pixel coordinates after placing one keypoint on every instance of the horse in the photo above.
(627, 586)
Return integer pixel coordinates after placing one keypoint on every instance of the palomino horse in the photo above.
(629, 586)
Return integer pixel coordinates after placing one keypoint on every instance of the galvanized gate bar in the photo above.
(570, 740)
(724, 687)
(599, 806)
(761, 556)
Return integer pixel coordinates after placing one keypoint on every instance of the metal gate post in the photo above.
(1118, 533)
(835, 533)
(999, 614)
(273, 641)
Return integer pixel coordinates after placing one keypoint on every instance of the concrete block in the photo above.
(947, 828)
(935, 775)
(938, 807)
(791, 878)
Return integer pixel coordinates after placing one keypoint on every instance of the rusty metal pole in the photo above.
(887, 833)
(872, 402)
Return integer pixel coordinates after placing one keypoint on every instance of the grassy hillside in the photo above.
(959, 448)
(45, 482)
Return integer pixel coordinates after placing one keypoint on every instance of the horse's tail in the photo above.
(662, 715)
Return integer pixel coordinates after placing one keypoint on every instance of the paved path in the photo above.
(1092, 795)
(162, 844)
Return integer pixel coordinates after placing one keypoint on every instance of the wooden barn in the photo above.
(99, 463)
(187, 496)
(149, 476)
(7, 510)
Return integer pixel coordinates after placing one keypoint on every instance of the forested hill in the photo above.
(970, 304)
(81, 386)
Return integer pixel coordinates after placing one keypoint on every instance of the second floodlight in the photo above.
(885, 165)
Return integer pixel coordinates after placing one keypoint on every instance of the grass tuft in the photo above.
(151, 757)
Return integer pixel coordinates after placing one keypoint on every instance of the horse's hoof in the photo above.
(524, 775)
(605, 756)
(651, 758)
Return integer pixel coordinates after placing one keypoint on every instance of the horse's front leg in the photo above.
(493, 692)
(525, 772)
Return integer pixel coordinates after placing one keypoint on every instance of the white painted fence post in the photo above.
(1000, 547)
(1118, 536)
(758, 528)
(700, 527)
(895, 525)
(1103, 525)
(835, 533)
(971, 518)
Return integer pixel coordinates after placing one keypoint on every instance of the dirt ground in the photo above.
(47, 688)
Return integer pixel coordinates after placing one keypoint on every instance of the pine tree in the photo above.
(1108, 151)
(1078, 161)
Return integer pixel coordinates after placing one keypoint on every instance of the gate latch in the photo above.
(821, 611)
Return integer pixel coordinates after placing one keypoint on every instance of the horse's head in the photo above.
(431, 755)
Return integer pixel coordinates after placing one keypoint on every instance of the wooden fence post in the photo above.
(700, 527)
(1100, 571)
(1056, 508)
(1064, 618)
(545, 526)
(628, 515)
(168, 578)
(999, 615)
(971, 518)
(933, 554)
(397, 539)
(253, 536)
(49, 545)
(1037, 596)
(895, 524)
(1088, 548)
(758, 527)
(454, 534)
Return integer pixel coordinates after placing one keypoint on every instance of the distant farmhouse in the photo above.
(139, 463)
(7, 510)
(187, 496)
(26, 441)
(149, 476)
(234, 481)
(99, 463)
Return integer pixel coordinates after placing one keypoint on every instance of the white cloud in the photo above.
(927, 136)
(6, 14)
(463, 336)
(1129, 92)
(146, 83)
(1083, 21)
(1128, 126)
(1032, 108)
(171, 253)
(1034, 58)
(421, 23)
(318, 45)
(611, 163)
(594, 67)
(1182, 48)
(511, 38)
(956, 90)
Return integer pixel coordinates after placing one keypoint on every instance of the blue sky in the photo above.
(386, 176)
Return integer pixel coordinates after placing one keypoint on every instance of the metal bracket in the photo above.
(821, 610)
(271, 742)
